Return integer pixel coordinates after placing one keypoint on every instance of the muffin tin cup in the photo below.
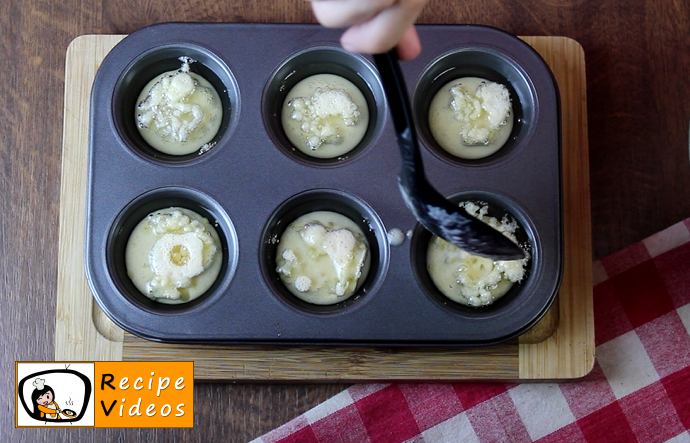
(252, 184)
(156, 200)
(334, 201)
(485, 63)
(520, 299)
(322, 60)
(166, 58)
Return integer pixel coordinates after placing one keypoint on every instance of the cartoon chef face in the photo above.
(45, 399)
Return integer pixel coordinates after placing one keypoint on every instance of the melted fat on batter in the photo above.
(318, 131)
(173, 255)
(447, 129)
(323, 258)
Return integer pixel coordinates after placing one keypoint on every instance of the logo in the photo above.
(55, 394)
(105, 394)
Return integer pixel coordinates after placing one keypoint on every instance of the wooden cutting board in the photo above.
(560, 346)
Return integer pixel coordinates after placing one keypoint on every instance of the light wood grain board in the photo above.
(561, 346)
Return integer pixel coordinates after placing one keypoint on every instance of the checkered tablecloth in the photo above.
(639, 389)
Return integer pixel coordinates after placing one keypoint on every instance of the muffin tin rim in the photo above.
(379, 140)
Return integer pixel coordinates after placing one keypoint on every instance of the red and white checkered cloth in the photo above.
(639, 389)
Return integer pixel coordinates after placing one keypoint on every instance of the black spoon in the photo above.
(438, 215)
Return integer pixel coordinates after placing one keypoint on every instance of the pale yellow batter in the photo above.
(471, 117)
(173, 255)
(325, 116)
(179, 112)
(469, 279)
(322, 257)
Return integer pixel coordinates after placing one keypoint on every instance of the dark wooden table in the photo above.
(638, 80)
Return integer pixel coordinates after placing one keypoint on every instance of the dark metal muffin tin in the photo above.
(252, 184)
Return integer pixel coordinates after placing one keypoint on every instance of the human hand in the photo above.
(375, 26)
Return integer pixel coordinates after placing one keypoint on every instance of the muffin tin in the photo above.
(253, 183)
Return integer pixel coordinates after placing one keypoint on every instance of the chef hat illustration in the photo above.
(38, 383)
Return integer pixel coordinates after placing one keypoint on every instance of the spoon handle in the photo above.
(399, 104)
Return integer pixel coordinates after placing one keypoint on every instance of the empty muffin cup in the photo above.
(175, 103)
(471, 284)
(474, 106)
(324, 251)
(171, 250)
(323, 106)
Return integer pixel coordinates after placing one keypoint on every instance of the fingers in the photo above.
(341, 13)
(384, 31)
(409, 46)
(375, 25)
